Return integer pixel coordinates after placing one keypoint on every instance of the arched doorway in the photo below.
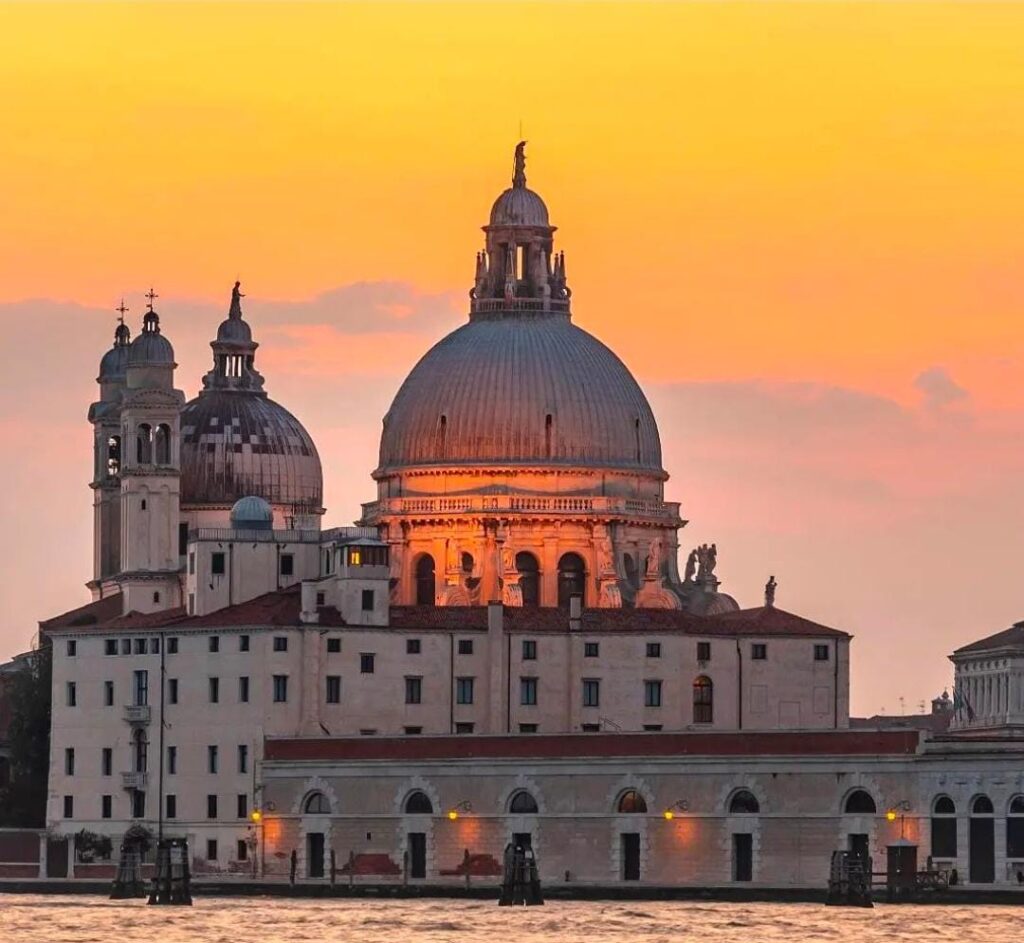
(860, 802)
(943, 828)
(630, 802)
(572, 579)
(982, 842)
(425, 594)
(529, 578)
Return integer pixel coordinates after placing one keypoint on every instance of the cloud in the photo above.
(939, 388)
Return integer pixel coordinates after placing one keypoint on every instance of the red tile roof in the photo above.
(92, 613)
(545, 746)
(282, 608)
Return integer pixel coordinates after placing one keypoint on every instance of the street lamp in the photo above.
(464, 806)
(680, 805)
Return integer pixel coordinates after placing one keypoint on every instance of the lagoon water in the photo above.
(85, 919)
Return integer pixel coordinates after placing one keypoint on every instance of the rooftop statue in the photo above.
(236, 301)
(519, 166)
(769, 591)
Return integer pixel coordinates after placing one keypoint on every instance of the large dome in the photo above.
(531, 389)
(237, 443)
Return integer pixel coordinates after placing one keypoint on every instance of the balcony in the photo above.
(134, 780)
(137, 713)
(527, 505)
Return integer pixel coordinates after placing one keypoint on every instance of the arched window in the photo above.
(144, 444)
(943, 828)
(162, 444)
(744, 802)
(982, 805)
(572, 579)
(703, 700)
(522, 803)
(114, 455)
(859, 802)
(631, 802)
(419, 803)
(425, 580)
(316, 804)
(1015, 828)
(529, 578)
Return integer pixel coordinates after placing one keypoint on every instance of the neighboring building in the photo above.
(507, 620)
(988, 690)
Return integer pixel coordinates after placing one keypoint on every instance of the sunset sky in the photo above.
(800, 225)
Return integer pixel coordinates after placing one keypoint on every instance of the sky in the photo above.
(799, 224)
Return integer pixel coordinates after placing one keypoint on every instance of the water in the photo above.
(52, 919)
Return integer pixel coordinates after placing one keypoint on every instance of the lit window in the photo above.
(355, 557)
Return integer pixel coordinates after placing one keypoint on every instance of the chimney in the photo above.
(575, 613)
(495, 616)
(309, 614)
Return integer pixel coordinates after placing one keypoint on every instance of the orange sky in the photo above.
(764, 206)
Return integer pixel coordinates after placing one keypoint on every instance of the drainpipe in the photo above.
(835, 688)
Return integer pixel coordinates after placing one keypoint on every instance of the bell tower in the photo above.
(105, 416)
(151, 551)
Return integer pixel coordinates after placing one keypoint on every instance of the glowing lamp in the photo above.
(453, 815)
(256, 815)
(669, 815)
(890, 815)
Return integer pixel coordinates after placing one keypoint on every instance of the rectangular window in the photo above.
(126, 646)
(211, 760)
(591, 692)
(217, 563)
(171, 804)
(106, 807)
(463, 690)
(367, 732)
(758, 651)
(366, 660)
(140, 646)
(334, 689)
(182, 538)
(140, 688)
(172, 645)
(368, 597)
(527, 728)
(138, 804)
(192, 563)
(211, 847)
(528, 691)
(333, 645)
(703, 651)
(154, 646)
(172, 690)
(243, 643)
(321, 599)
(107, 761)
(191, 604)
(652, 727)
(412, 646)
(529, 650)
(413, 690)
(214, 643)
(110, 646)
(69, 807)
(243, 758)
(654, 649)
(463, 728)
(69, 761)
(243, 850)
(652, 694)
(242, 806)
(413, 731)
(211, 807)
(243, 689)
(214, 690)
(287, 564)
(821, 653)
(72, 648)
(108, 693)
(591, 649)
(71, 693)
(280, 689)
(172, 760)
(280, 643)
(465, 646)
(590, 728)
(944, 838)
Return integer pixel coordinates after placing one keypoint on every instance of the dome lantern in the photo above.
(234, 352)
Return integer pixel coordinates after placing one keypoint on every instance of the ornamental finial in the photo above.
(519, 166)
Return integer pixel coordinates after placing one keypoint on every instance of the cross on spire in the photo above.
(150, 295)
(121, 308)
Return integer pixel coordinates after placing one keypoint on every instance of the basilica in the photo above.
(503, 646)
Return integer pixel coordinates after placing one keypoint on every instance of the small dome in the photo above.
(252, 513)
(234, 331)
(150, 347)
(114, 363)
(519, 206)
